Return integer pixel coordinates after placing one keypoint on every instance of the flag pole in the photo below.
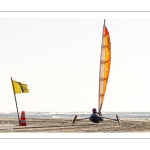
(15, 100)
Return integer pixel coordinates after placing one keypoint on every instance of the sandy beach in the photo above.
(82, 126)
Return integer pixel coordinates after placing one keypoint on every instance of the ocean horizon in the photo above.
(46, 115)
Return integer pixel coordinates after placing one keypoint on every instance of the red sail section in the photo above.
(105, 60)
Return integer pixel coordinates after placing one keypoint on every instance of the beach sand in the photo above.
(83, 126)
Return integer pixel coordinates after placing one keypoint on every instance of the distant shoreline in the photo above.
(48, 115)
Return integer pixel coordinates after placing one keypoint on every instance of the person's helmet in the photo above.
(94, 110)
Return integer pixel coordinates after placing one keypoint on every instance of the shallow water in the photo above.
(138, 115)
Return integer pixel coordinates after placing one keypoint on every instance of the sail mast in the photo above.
(99, 94)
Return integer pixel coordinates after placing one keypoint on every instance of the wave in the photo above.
(72, 114)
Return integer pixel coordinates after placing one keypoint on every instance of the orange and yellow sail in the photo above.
(105, 60)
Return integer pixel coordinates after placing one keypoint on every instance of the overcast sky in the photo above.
(58, 57)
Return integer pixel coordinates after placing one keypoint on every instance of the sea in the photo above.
(69, 115)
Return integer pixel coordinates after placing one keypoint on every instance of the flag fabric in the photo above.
(20, 87)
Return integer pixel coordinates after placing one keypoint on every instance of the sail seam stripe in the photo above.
(107, 60)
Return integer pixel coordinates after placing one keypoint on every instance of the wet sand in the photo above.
(82, 126)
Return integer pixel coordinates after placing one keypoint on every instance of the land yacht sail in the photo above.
(105, 60)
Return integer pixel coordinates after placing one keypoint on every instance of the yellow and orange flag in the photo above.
(105, 60)
(20, 87)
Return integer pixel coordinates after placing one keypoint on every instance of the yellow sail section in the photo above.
(105, 60)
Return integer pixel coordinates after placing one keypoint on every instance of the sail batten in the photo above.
(105, 60)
